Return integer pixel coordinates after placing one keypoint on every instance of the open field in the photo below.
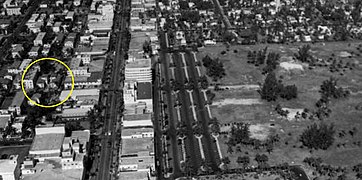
(344, 114)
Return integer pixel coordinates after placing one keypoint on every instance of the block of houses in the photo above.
(12, 7)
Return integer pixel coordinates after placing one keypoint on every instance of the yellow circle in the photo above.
(40, 105)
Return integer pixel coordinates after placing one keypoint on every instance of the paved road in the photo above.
(114, 99)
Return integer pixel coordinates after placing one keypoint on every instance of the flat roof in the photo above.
(7, 166)
(137, 117)
(82, 136)
(79, 92)
(144, 90)
(139, 63)
(135, 131)
(96, 65)
(137, 146)
(47, 142)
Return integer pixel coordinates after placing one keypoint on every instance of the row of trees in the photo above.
(215, 68)
(273, 88)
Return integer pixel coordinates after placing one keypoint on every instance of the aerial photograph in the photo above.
(180, 89)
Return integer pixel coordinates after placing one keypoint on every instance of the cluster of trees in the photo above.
(273, 88)
(261, 57)
(72, 126)
(318, 137)
(324, 169)
(215, 68)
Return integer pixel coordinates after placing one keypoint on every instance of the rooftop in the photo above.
(7, 166)
(4, 119)
(18, 99)
(79, 92)
(135, 131)
(47, 142)
(139, 63)
(144, 90)
(142, 146)
(137, 117)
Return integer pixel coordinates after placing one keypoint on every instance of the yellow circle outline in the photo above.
(40, 105)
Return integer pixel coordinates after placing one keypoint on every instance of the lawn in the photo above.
(344, 114)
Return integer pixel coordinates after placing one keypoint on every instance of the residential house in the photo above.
(16, 50)
(34, 52)
(39, 39)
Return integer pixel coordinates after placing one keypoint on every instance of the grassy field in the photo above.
(344, 115)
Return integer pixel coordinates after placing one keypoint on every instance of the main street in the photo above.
(114, 99)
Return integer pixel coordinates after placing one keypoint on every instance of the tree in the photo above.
(269, 90)
(271, 63)
(204, 82)
(303, 54)
(318, 137)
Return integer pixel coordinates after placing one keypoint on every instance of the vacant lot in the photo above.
(344, 114)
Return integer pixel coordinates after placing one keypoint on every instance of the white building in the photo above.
(138, 70)
(9, 168)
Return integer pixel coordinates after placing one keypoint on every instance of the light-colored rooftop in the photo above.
(139, 63)
(18, 99)
(141, 146)
(44, 142)
(79, 92)
(7, 166)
